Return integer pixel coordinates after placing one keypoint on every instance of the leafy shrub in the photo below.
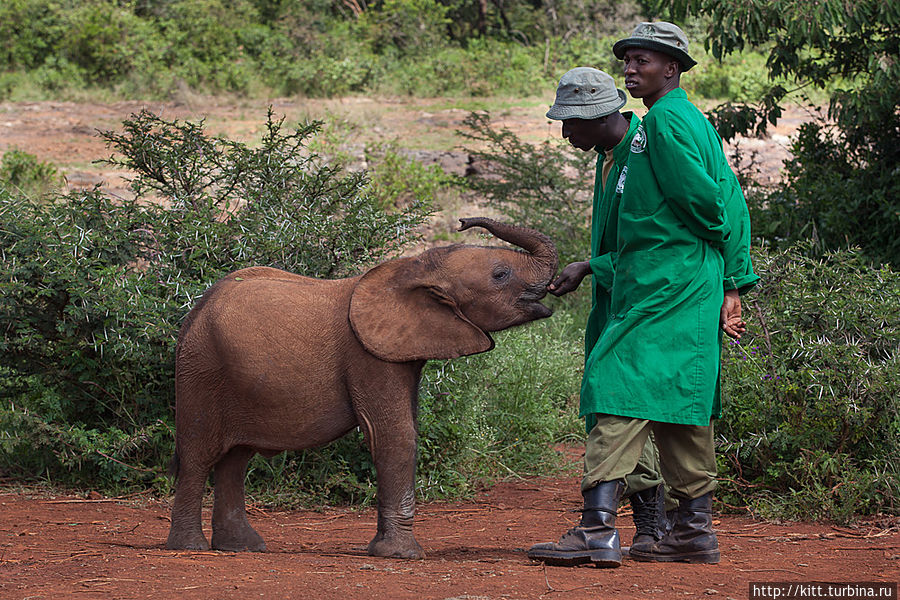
(811, 426)
(842, 182)
(102, 40)
(835, 192)
(547, 186)
(29, 32)
(92, 290)
(396, 180)
(482, 68)
(24, 174)
(405, 26)
(738, 77)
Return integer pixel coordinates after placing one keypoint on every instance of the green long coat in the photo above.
(658, 356)
(604, 228)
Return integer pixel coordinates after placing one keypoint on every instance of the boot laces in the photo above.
(646, 520)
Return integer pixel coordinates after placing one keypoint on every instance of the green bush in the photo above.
(835, 192)
(409, 47)
(547, 186)
(30, 31)
(397, 181)
(102, 41)
(405, 26)
(484, 67)
(811, 422)
(24, 174)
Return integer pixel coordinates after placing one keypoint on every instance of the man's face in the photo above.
(647, 72)
(585, 134)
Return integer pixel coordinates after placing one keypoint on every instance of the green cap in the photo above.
(586, 93)
(660, 36)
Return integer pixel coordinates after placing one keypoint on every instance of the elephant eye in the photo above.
(501, 274)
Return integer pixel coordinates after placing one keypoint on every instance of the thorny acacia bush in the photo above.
(93, 289)
(811, 421)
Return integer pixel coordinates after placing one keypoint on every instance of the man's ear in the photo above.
(673, 69)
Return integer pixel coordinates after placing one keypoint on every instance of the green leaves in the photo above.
(547, 186)
(811, 393)
(841, 183)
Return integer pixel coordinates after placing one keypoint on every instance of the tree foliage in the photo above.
(843, 178)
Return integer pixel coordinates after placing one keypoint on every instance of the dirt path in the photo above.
(70, 547)
(65, 133)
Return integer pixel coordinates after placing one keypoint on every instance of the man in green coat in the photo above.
(682, 259)
(588, 103)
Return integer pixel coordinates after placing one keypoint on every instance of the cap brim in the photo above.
(681, 56)
(561, 112)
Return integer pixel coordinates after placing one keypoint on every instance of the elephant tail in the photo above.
(174, 466)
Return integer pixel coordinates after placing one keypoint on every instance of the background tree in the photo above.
(841, 186)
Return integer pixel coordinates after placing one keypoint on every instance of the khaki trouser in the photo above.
(645, 475)
(687, 458)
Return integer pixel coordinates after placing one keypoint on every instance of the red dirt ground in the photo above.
(76, 547)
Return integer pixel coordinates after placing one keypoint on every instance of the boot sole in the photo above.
(709, 557)
(604, 559)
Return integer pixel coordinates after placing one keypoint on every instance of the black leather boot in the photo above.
(595, 539)
(691, 539)
(649, 514)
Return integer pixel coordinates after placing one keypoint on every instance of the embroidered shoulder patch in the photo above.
(639, 141)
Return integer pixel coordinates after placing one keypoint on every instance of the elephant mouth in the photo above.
(529, 300)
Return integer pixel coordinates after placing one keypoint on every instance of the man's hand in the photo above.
(730, 317)
(570, 278)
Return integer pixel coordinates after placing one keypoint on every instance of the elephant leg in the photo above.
(186, 531)
(230, 529)
(394, 452)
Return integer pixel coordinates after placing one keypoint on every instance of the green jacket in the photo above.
(604, 234)
(681, 210)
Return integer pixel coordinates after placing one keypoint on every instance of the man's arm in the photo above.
(692, 194)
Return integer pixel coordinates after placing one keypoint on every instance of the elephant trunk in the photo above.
(538, 245)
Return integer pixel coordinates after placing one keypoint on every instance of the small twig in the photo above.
(553, 590)
(84, 501)
(768, 570)
(116, 460)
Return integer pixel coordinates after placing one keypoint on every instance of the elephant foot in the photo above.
(244, 540)
(186, 541)
(396, 547)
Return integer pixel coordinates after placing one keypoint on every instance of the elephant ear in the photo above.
(400, 316)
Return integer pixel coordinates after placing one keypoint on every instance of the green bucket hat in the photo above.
(660, 36)
(586, 93)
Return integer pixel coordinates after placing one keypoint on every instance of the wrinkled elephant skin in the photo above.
(269, 361)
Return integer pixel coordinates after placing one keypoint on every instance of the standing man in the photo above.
(588, 103)
(682, 260)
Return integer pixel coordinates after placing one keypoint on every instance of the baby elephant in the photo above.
(269, 361)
